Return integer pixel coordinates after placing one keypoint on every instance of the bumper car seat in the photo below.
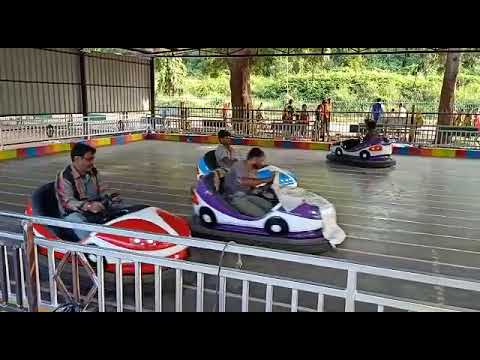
(44, 203)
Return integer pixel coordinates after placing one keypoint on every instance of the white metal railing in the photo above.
(464, 137)
(16, 130)
(418, 128)
(245, 128)
(37, 129)
(350, 291)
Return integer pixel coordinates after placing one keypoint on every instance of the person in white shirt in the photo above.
(403, 111)
(225, 154)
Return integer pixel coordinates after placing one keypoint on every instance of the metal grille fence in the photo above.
(418, 129)
(25, 129)
(192, 276)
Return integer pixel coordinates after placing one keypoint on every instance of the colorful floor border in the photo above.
(211, 139)
(309, 145)
(51, 149)
(437, 152)
(266, 143)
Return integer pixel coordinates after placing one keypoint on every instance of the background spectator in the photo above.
(378, 110)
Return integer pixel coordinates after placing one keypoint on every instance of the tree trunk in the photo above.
(240, 84)
(447, 97)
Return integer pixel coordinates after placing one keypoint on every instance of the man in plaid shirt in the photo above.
(79, 189)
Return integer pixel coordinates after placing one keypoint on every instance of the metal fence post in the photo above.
(351, 291)
(1, 136)
(30, 266)
(75, 278)
(3, 275)
(411, 137)
(18, 277)
(88, 127)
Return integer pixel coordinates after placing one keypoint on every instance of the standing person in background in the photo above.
(260, 112)
(304, 121)
(288, 128)
(225, 108)
(418, 124)
(290, 109)
(325, 120)
(402, 111)
(328, 115)
(459, 120)
(468, 120)
(257, 126)
(322, 117)
(330, 104)
(378, 110)
(318, 126)
(184, 116)
(477, 120)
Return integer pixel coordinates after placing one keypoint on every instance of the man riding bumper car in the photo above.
(243, 209)
(78, 196)
(225, 157)
(374, 151)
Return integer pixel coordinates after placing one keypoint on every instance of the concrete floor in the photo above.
(420, 216)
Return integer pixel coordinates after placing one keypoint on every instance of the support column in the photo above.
(83, 90)
(83, 85)
(152, 86)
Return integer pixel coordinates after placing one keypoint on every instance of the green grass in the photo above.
(351, 90)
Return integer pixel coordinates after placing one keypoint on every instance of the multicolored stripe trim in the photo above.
(59, 148)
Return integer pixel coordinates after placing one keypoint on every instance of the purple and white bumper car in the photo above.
(299, 220)
(376, 153)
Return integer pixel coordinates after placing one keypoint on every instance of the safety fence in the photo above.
(416, 129)
(419, 129)
(187, 285)
(25, 129)
(340, 105)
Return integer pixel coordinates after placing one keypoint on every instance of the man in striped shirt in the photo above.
(79, 190)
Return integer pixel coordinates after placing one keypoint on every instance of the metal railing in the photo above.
(13, 261)
(17, 130)
(417, 129)
(354, 105)
(297, 291)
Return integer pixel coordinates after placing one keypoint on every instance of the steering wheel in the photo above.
(107, 202)
(263, 189)
(110, 213)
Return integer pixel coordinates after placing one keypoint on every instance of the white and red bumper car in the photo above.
(376, 153)
(139, 218)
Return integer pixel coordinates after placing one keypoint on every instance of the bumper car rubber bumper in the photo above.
(355, 161)
(313, 246)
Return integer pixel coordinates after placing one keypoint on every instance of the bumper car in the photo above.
(299, 220)
(376, 153)
(208, 163)
(138, 218)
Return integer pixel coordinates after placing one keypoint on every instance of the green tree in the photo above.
(170, 75)
(447, 96)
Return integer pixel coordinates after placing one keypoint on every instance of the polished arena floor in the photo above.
(422, 216)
